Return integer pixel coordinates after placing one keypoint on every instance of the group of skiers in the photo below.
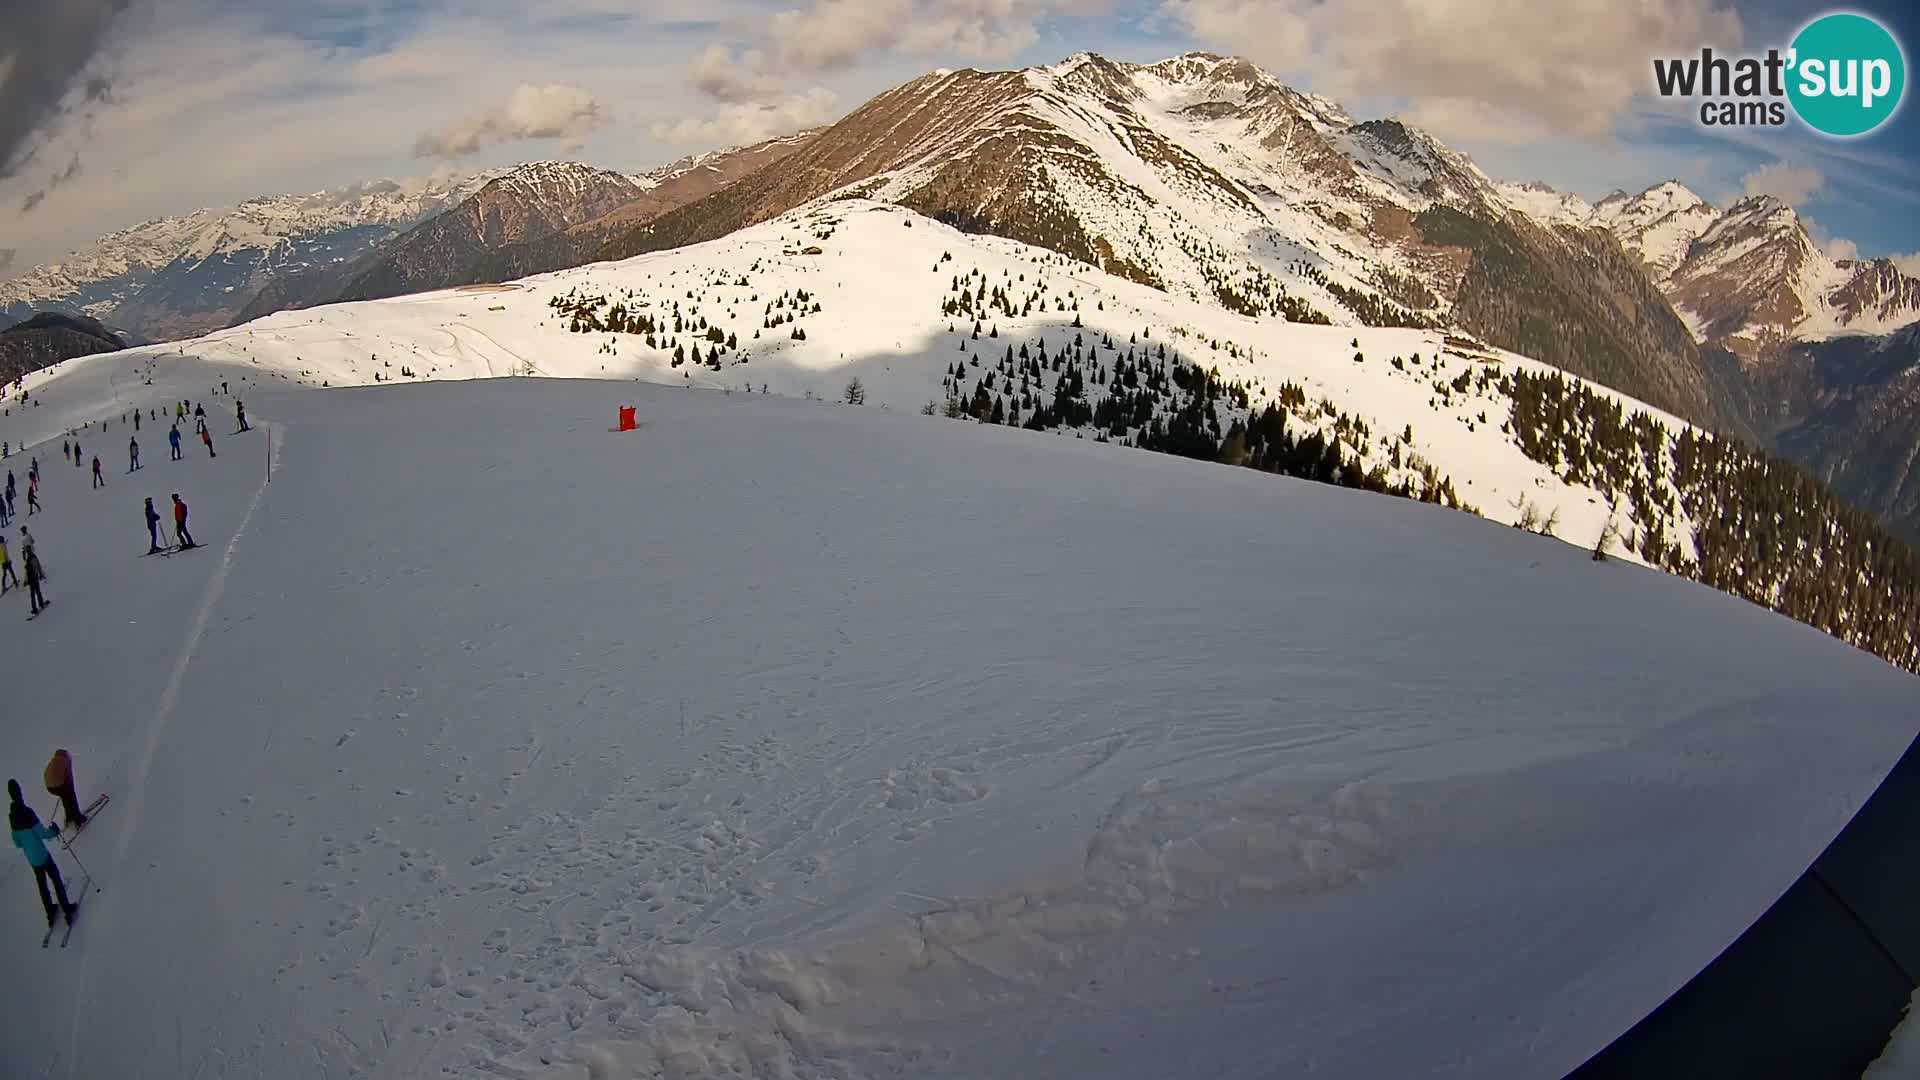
(30, 834)
(34, 573)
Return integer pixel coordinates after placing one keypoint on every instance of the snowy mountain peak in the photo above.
(559, 180)
(1410, 155)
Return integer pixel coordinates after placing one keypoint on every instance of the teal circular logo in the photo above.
(1847, 74)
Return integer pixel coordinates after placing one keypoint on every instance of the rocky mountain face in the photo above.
(179, 276)
(1206, 177)
(662, 190)
(1816, 356)
(48, 338)
(536, 218)
(528, 202)
(1847, 408)
(1747, 278)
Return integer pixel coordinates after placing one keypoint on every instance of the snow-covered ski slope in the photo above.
(881, 277)
(781, 738)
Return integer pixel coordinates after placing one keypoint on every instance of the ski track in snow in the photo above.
(785, 739)
(157, 725)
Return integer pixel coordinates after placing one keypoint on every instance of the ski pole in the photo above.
(88, 874)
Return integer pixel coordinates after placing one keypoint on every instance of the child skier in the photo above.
(29, 835)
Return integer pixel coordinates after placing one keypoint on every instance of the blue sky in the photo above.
(123, 110)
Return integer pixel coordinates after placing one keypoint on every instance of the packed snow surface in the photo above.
(792, 739)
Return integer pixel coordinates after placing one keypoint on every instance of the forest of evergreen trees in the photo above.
(1761, 528)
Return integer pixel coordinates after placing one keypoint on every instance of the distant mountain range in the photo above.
(530, 219)
(1202, 176)
(182, 276)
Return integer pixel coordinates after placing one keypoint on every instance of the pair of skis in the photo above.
(68, 936)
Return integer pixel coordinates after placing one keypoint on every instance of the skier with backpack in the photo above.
(30, 836)
(59, 780)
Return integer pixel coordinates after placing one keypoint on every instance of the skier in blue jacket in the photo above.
(30, 836)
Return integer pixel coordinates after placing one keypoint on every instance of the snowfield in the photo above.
(880, 276)
(781, 738)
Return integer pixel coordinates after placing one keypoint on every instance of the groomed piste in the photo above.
(787, 738)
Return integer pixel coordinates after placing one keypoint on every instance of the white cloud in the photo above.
(1841, 249)
(834, 34)
(1791, 184)
(532, 112)
(1461, 118)
(751, 122)
(723, 75)
(1574, 67)
(1908, 264)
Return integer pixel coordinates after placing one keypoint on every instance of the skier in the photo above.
(153, 528)
(173, 441)
(66, 449)
(180, 533)
(223, 387)
(76, 453)
(30, 836)
(240, 410)
(136, 419)
(133, 454)
(33, 497)
(59, 780)
(207, 438)
(35, 575)
(200, 417)
(99, 481)
(6, 569)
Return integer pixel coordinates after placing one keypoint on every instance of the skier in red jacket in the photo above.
(180, 532)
